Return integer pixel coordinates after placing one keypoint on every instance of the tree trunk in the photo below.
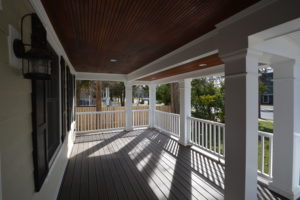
(122, 97)
(99, 104)
(259, 105)
(175, 104)
(98, 96)
(78, 89)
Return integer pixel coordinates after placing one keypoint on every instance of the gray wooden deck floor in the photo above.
(141, 164)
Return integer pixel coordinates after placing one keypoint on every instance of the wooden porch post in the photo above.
(286, 162)
(128, 106)
(241, 93)
(185, 110)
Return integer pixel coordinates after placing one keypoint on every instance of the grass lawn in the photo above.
(266, 126)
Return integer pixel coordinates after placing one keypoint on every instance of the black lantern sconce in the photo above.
(36, 57)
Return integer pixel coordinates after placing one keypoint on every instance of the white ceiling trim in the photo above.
(100, 76)
(51, 34)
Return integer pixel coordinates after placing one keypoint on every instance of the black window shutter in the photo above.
(74, 96)
(39, 136)
(69, 98)
(63, 97)
(53, 108)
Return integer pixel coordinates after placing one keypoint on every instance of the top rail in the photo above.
(100, 112)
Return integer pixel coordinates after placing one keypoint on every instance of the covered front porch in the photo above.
(143, 164)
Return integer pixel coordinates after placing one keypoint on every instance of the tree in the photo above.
(140, 92)
(175, 104)
(163, 94)
(208, 99)
(82, 84)
(117, 90)
(98, 96)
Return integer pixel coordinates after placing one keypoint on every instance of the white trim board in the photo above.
(100, 76)
(51, 34)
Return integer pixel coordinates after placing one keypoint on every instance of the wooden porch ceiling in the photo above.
(134, 32)
(202, 63)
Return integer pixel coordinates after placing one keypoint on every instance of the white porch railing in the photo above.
(208, 135)
(265, 154)
(168, 122)
(103, 120)
(108, 120)
(140, 118)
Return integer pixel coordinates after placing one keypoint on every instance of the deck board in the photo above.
(142, 164)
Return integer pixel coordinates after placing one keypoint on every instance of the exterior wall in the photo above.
(16, 170)
(15, 116)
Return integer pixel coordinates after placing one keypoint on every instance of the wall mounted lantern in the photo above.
(36, 57)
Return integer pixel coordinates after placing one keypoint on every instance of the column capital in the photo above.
(241, 62)
(240, 54)
(286, 69)
(185, 83)
(128, 84)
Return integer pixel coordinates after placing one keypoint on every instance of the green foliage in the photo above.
(266, 126)
(262, 87)
(207, 100)
(163, 94)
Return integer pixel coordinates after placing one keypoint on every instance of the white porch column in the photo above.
(185, 110)
(128, 106)
(286, 161)
(152, 104)
(241, 94)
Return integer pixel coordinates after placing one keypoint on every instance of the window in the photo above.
(265, 99)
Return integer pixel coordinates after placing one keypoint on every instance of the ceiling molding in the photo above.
(101, 76)
(140, 82)
(51, 34)
(219, 69)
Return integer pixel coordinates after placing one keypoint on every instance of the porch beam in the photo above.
(100, 76)
(241, 83)
(286, 161)
(185, 110)
(128, 106)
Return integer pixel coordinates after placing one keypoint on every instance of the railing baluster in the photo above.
(219, 139)
(205, 135)
(262, 154)
(214, 134)
(198, 133)
(271, 156)
(210, 136)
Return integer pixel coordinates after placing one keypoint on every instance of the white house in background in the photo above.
(147, 42)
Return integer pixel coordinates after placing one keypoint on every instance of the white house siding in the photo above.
(16, 170)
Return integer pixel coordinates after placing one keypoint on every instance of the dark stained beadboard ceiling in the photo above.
(201, 63)
(135, 32)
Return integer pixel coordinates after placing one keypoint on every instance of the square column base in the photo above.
(292, 195)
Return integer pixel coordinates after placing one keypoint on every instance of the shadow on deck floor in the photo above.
(142, 164)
